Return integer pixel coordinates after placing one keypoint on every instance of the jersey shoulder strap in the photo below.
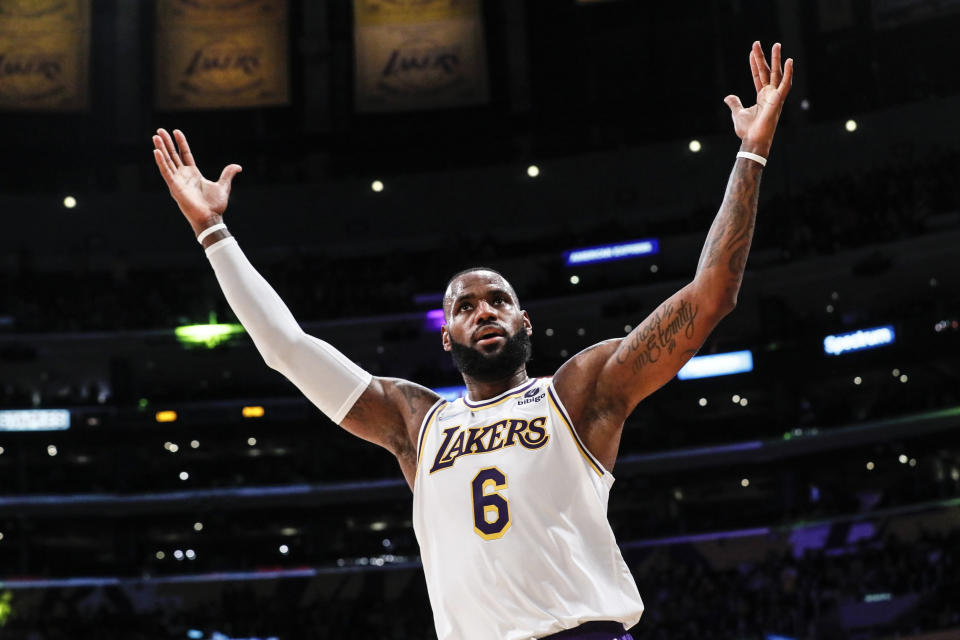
(425, 425)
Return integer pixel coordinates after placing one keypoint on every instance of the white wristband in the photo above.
(209, 230)
(752, 156)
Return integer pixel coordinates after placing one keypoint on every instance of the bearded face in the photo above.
(492, 362)
(486, 331)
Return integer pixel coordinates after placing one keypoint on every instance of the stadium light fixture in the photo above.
(718, 364)
(609, 252)
(433, 319)
(35, 420)
(252, 412)
(209, 335)
(859, 340)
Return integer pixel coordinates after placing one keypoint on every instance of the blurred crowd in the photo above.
(804, 597)
(916, 196)
(819, 595)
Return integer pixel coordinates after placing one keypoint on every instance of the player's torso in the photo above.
(510, 513)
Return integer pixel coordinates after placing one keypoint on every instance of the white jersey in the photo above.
(510, 510)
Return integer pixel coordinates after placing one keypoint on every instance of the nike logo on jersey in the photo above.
(457, 441)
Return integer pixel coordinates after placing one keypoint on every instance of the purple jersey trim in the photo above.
(502, 396)
(426, 423)
(592, 631)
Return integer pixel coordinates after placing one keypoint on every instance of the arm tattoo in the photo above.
(658, 335)
(414, 395)
(731, 233)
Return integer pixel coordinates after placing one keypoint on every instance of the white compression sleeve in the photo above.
(326, 377)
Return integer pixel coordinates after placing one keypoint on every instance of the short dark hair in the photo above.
(471, 270)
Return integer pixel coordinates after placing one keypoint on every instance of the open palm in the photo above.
(758, 123)
(198, 198)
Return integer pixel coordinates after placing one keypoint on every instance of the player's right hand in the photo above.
(200, 200)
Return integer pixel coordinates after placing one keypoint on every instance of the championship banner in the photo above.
(44, 54)
(419, 54)
(221, 54)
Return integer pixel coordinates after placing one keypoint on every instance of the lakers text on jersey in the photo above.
(510, 510)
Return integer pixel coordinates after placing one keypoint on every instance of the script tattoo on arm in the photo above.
(724, 255)
(658, 335)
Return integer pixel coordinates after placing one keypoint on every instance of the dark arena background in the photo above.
(158, 480)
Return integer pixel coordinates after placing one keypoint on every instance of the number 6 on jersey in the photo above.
(487, 504)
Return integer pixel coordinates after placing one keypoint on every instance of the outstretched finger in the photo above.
(734, 103)
(160, 152)
(787, 81)
(184, 148)
(762, 65)
(755, 70)
(164, 168)
(171, 150)
(228, 173)
(776, 72)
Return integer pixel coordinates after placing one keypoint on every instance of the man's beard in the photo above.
(492, 367)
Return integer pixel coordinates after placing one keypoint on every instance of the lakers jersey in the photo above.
(510, 510)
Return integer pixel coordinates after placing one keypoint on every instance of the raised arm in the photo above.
(603, 384)
(384, 411)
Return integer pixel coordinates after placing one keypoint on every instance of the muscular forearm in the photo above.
(724, 255)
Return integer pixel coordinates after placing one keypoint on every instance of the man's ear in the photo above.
(527, 324)
(445, 338)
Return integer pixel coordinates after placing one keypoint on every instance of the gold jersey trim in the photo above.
(427, 421)
(566, 420)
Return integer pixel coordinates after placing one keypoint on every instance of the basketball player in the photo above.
(510, 483)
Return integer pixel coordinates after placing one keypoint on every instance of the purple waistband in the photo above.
(592, 631)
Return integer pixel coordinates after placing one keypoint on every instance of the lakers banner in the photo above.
(220, 12)
(44, 54)
(214, 54)
(419, 54)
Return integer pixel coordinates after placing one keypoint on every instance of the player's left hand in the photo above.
(756, 125)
